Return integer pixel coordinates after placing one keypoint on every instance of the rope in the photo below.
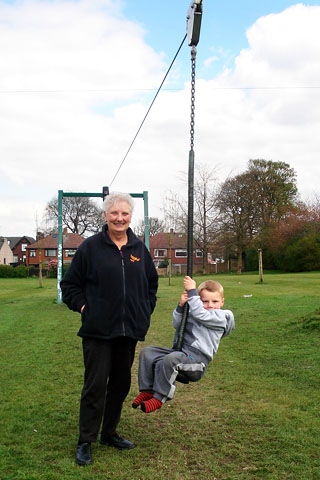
(134, 139)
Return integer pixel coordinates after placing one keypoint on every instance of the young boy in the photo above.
(206, 325)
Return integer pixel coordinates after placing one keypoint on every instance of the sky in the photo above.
(78, 77)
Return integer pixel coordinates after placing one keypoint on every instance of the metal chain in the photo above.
(193, 89)
(183, 323)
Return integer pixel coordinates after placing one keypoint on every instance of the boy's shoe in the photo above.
(142, 397)
(151, 405)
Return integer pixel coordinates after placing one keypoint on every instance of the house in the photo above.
(18, 246)
(45, 249)
(6, 255)
(171, 247)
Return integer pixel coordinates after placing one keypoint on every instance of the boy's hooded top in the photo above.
(117, 287)
(204, 328)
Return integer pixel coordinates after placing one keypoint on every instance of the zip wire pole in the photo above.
(194, 16)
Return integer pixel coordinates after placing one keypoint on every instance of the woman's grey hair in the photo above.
(116, 197)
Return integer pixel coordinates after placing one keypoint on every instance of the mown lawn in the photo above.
(255, 415)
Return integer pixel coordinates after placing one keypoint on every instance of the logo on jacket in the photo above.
(134, 259)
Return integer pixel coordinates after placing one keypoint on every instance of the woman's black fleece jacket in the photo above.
(117, 287)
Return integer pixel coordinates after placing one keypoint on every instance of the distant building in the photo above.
(171, 247)
(6, 254)
(18, 246)
(45, 249)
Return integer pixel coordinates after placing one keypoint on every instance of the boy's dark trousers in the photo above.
(107, 381)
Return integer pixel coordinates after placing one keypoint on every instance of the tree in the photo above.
(205, 212)
(294, 242)
(79, 214)
(251, 202)
(175, 212)
(275, 189)
(236, 226)
(155, 226)
(204, 215)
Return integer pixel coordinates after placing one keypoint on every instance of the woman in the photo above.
(112, 282)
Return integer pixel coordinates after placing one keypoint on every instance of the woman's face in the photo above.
(118, 217)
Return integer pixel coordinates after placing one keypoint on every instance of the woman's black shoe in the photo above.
(83, 454)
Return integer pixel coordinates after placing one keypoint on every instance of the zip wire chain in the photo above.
(193, 89)
(179, 341)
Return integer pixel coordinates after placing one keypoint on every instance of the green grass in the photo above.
(255, 415)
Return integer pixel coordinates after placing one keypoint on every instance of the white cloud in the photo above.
(74, 80)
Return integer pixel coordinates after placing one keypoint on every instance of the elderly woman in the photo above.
(113, 283)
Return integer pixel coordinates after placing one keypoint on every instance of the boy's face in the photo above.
(211, 300)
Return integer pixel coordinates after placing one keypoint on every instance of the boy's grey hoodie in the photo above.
(204, 328)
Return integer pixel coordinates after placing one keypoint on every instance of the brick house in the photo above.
(6, 255)
(172, 246)
(45, 250)
(18, 246)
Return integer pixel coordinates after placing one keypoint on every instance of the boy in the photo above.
(206, 325)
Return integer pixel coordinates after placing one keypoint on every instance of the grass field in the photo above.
(255, 415)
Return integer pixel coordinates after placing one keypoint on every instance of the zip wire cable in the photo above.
(131, 144)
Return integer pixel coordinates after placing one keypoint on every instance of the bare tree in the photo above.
(205, 213)
(155, 226)
(79, 214)
(175, 211)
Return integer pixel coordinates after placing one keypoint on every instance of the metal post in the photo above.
(146, 220)
(260, 265)
(60, 247)
(105, 191)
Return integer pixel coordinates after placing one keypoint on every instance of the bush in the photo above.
(6, 271)
(303, 255)
(33, 271)
(52, 269)
(163, 264)
(251, 260)
(21, 271)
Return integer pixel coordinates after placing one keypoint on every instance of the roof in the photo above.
(13, 241)
(168, 240)
(70, 241)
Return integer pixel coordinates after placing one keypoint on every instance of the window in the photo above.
(199, 253)
(50, 252)
(70, 253)
(32, 253)
(161, 252)
(24, 247)
(181, 252)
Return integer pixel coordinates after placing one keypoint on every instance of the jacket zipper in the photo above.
(124, 295)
